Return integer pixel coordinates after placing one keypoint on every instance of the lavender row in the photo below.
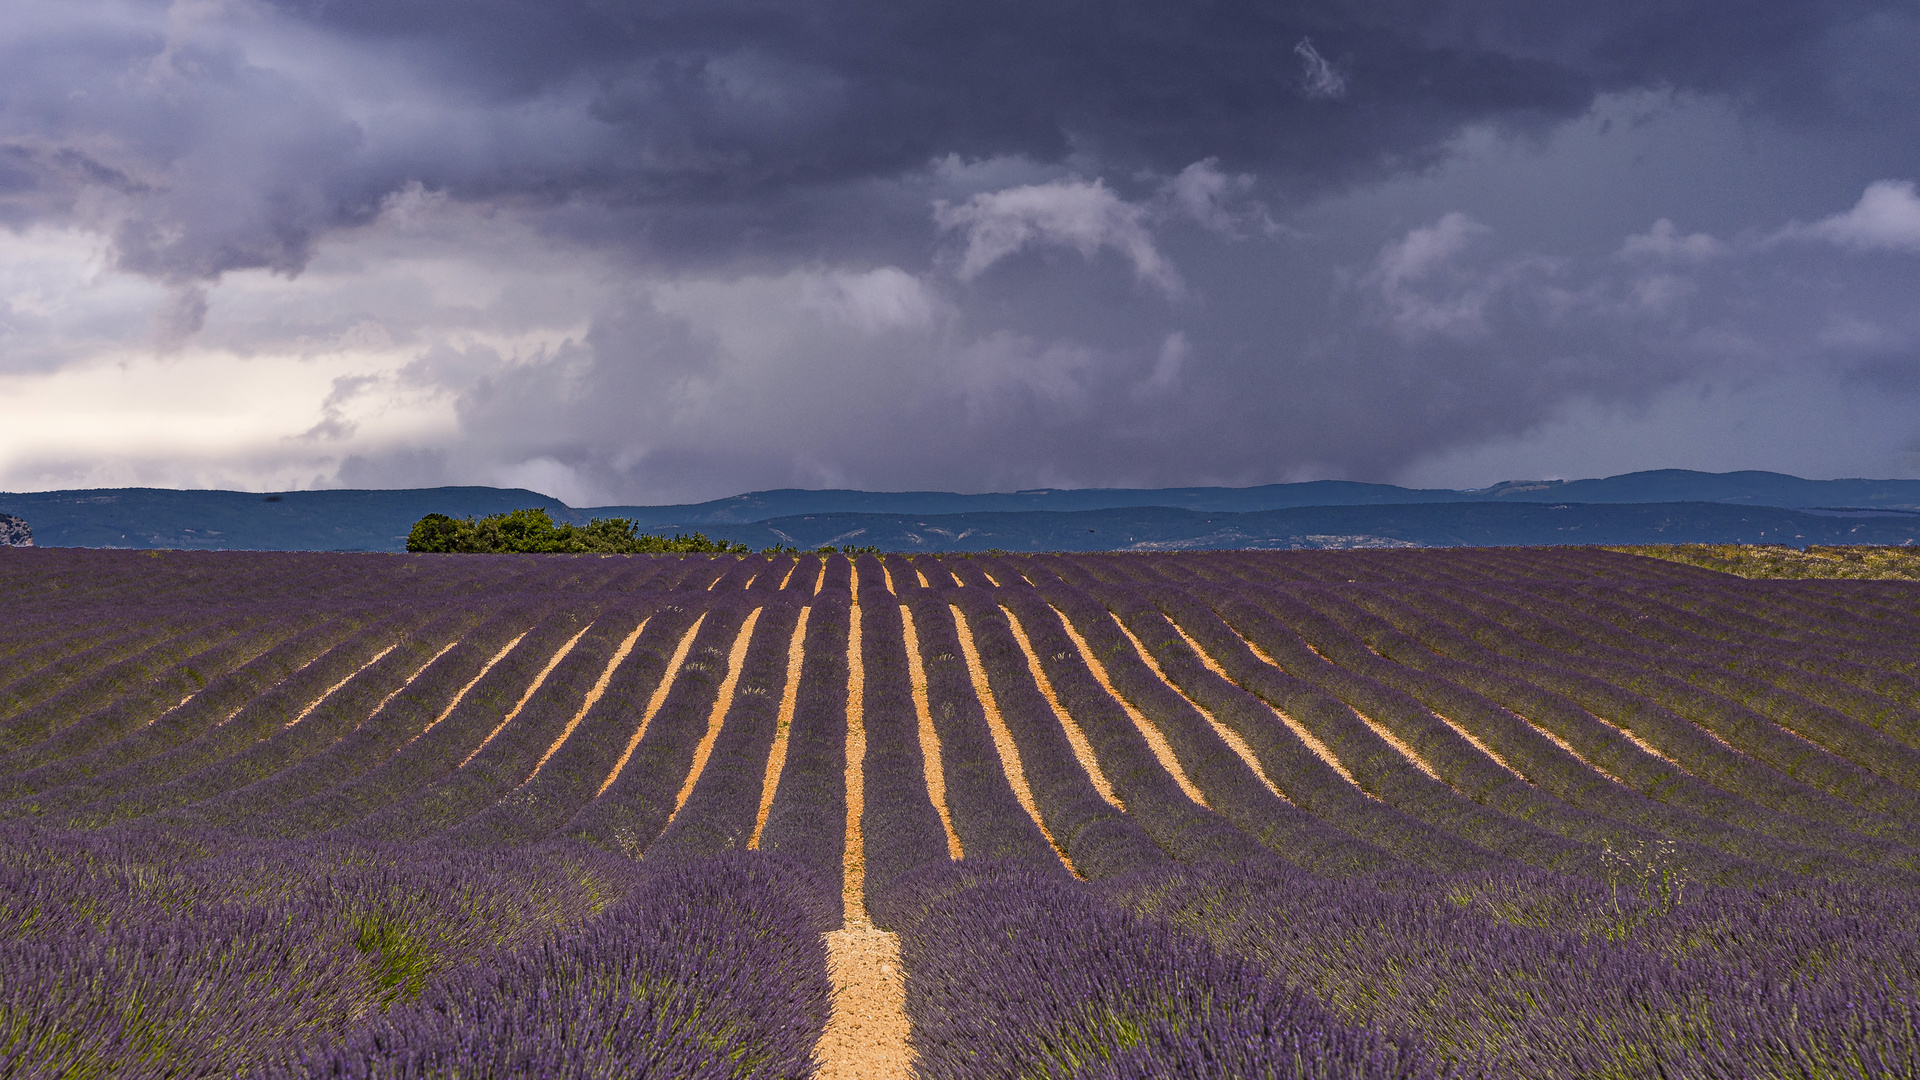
(1589, 627)
(69, 751)
(266, 788)
(1300, 773)
(807, 819)
(1423, 614)
(80, 685)
(1379, 769)
(711, 971)
(273, 732)
(1230, 785)
(1745, 730)
(900, 829)
(1576, 801)
(512, 740)
(164, 954)
(1010, 972)
(988, 817)
(572, 776)
(268, 692)
(628, 816)
(1099, 838)
(1554, 977)
(1504, 709)
(1181, 827)
(435, 750)
(724, 805)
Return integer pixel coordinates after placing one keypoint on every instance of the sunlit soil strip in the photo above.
(532, 689)
(888, 574)
(1157, 742)
(723, 701)
(395, 692)
(461, 696)
(592, 699)
(922, 575)
(1386, 734)
(777, 757)
(1568, 747)
(789, 577)
(1227, 735)
(1482, 747)
(329, 691)
(929, 738)
(854, 882)
(654, 702)
(1003, 738)
(1076, 738)
(866, 1037)
(1312, 741)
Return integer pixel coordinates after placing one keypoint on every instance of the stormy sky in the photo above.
(664, 250)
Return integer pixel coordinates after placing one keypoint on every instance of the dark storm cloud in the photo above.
(749, 115)
(680, 249)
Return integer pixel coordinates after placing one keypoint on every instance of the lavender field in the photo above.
(1547, 813)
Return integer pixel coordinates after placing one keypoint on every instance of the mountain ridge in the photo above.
(379, 519)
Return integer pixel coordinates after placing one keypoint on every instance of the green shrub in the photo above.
(523, 531)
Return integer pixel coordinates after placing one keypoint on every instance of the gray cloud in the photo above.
(674, 249)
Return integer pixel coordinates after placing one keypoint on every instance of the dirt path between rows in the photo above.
(532, 689)
(1162, 750)
(930, 760)
(654, 702)
(1003, 743)
(1076, 738)
(777, 756)
(1227, 735)
(1320, 749)
(722, 702)
(866, 1037)
(593, 698)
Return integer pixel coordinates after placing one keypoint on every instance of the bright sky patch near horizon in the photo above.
(648, 252)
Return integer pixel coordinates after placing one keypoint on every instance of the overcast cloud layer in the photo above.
(665, 251)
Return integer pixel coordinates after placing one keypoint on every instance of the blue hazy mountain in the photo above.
(1671, 505)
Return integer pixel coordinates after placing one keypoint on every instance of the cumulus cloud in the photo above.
(1887, 218)
(1663, 242)
(1319, 78)
(1071, 212)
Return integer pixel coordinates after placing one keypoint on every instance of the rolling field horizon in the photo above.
(1548, 813)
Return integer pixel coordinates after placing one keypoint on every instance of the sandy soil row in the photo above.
(532, 689)
(722, 701)
(457, 698)
(866, 1035)
(329, 691)
(1162, 750)
(1475, 742)
(1568, 747)
(1076, 738)
(1227, 735)
(654, 702)
(1003, 743)
(777, 756)
(930, 758)
(408, 681)
(1320, 749)
(593, 696)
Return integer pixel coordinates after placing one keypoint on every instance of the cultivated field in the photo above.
(1508, 813)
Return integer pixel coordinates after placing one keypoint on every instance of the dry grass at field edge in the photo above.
(1780, 561)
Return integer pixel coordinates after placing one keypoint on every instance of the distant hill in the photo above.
(1664, 485)
(1665, 506)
